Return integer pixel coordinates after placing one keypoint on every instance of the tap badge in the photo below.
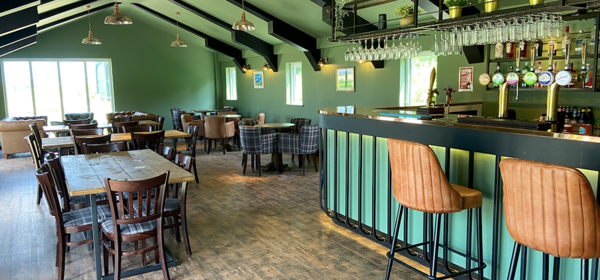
(546, 78)
(563, 78)
(484, 79)
(512, 79)
(498, 79)
(530, 78)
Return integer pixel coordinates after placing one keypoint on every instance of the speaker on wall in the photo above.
(474, 54)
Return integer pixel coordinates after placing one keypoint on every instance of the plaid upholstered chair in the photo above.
(256, 144)
(176, 117)
(303, 144)
(299, 123)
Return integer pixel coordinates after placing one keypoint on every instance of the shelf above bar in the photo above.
(527, 59)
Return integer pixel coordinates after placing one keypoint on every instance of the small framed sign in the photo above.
(465, 79)
(345, 80)
(259, 81)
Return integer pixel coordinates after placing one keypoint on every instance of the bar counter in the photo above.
(355, 179)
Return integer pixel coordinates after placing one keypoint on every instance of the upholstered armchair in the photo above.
(216, 128)
(260, 119)
(13, 132)
(298, 124)
(79, 116)
(254, 143)
(304, 144)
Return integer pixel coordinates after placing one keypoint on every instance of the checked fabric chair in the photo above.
(256, 144)
(298, 124)
(303, 144)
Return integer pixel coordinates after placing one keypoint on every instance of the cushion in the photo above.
(130, 229)
(171, 204)
(140, 114)
(82, 217)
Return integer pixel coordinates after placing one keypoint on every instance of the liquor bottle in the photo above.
(566, 41)
(499, 54)
(537, 73)
(591, 120)
(574, 76)
(510, 50)
(539, 46)
(523, 48)
(524, 71)
(582, 116)
(589, 80)
(579, 43)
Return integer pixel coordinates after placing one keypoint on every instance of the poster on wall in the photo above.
(259, 81)
(345, 80)
(465, 79)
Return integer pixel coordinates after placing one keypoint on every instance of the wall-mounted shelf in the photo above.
(527, 59)
(545, 90)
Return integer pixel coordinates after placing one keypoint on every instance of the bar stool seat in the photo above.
(470, 198)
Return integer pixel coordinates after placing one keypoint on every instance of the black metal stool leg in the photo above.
(434, 250)
(479, 243)
(425, 237)
(555, 269)
(469, 235)
(514, 261)
(524, 263)
(585, 268)
(546, 266)
(394, 240)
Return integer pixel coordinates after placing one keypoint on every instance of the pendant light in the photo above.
(243, 24)
(178, 43)
(90, 40)
(117, 18)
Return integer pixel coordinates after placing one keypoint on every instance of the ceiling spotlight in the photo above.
(245, 68)
(117, 18)
(266, 67)
(323, 61)
(243, 24)
(90, 40)
(178, 43)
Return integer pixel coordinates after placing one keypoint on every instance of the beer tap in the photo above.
(518, 53)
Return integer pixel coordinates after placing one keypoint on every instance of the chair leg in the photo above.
(436, 243)
(156, 257)
(315, 163)
(243, 157)
(292, 158)
(585, 267)
(302, 158)
(280, 162)
(195, 171)
(479, 243)
(223, 145)
(61, 258)
(57, 253)
(209, 146)
(68, 239)
(514, 261)
(105, 256)
(392, 252)
(252, 161)
(177, 236)
(143, 255)
(161, 253)
(244, 162)
(258, 165)
(39, 194)
(184, 231)
(556, 269)
(523, 263)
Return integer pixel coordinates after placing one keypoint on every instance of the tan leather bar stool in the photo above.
(419, 184)
(550, 209)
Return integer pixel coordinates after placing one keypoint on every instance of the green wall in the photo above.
(148, 74)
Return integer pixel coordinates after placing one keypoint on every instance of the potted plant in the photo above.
(449, 91)
(490, 5)
(407, 14)
(455, 7)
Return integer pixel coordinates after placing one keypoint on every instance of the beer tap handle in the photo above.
(532, 57)
(550, 50)
(518, 54)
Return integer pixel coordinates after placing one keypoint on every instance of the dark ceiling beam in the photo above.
(241, 38)
(363, 24)
(321, 3)
(209, 42)
(18, 20)
(17, 36)
(287, 33)
(66, 8)
(75, 17)
(10, 6)
(18, 45)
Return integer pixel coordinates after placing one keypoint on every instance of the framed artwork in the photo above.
(465, 79)
(259, 81)
(345, 80)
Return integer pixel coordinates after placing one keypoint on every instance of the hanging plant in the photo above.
(340, 13)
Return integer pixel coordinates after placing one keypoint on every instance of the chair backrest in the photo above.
(261, 118)
(117, 127)
(129, 129)
(58, 175)
(248, 122)
(79, 141)
(45, 180)
(309, 139)
(81, 132)
(184, 162)
(193, 129)
(418, 180)
(103, 148)
(125, 118)
(299, 123)
(34, 150)
(83, 126)
(214, 127)
(176, 118)
(148, 140)
(551, 209)
(36, 133)
(250, 140)
(161, 120)
(123, 213)
(70, 122)
(79, 116)
(167, 152)
(227, 113)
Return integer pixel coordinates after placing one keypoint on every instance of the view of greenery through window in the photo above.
(53, 88)
(420, 71)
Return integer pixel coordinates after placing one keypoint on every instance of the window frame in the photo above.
(406, 65)
(229, 83)
(291, 94)
(58, 60)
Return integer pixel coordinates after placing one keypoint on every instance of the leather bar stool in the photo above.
(550, 209)
(419, 184)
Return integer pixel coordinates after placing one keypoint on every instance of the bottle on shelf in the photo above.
(591, 120)
(579, 43)
(524, 71)
(537, 71)
(539, 46)
(574, 76)
(499, 52)
(583, 116)
(566, 41)
(589, 79)
(523, 48)
(592, 43)
(510, 50)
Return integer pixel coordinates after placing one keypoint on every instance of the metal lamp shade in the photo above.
(178, 43)
(117, 18)
(243, 24)
(90, 40)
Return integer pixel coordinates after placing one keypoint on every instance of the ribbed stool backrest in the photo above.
(419, 183)
(551, 209)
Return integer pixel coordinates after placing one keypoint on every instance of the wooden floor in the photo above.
(241, 227)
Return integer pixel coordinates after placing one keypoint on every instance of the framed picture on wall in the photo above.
(345, 80)
(259, 81)
(465, 79)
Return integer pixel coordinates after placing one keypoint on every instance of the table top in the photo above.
(275, 125)
(225, 116)
(67, 141)
(85, 174)
(203, 111)
(65, 128)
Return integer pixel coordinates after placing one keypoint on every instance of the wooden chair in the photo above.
(132, 224)
(148, 140)
(129, 129)
(124, 118)
(70, 122)
(193, 131)
(82, 132)
(79, 141)
(103, 148)
(167, 152)
(175, 207)
(161, 120)
(220, 113)
(83, 126)
(67, 221)
(37, 160)
(117, 127)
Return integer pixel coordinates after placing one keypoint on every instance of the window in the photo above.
(294, 83)
(231, 83)
(415, 82)
(52, 88)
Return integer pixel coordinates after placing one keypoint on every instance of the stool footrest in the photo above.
(430, 277)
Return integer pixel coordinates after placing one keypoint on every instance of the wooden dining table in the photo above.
(67, 141)
(85, 176)
(65, 128)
